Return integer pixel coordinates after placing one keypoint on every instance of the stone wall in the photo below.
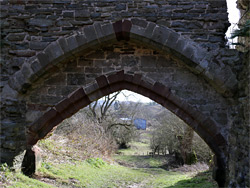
(28, 26)
(243, 6)
(239, 137)
(50, 48)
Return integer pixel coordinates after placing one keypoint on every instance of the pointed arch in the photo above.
(165, 40)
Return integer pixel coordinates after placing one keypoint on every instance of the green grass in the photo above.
(140, 161)
(136, 148)
(95, 173)
(23, 181)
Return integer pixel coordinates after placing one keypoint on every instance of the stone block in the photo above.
(64, 44)
(82, 103)
(147, 83)
(220, 140)
(188, 52)
(149, 30)
(27, 71)
(120, 7)
(161, 34)
(82, 14)
(22, 82)
(36, 126)
(82, 62)
(50, 126)
(108, 32)
(148, 61)
(170, 106)
(23, 53)
(8, 93)
(76, 79)
(172, 40)
(102, 81)
(68, 14)
(69, 111)
(143, 91)
(129, 61)
(137, 32)
(90, 33)
(126, 27)
(117, 77)
(62, 105)
(137, 79)
(128, 78)
(99, 31)
(117, 26)
(93, 70)
(139, 22)
(53, 51)
(91, 88)
(81, 39)
(36, 67)
(59, 79)
(161, 89)
(35, 45)
(16, 37)
(181, 44)
(41, 22)
(76, 95)
(95, 95)
(105, 90)
(43, 61)
(95, 15)
(210, 126)
(72, 43)
(32, 160)
(116, 87)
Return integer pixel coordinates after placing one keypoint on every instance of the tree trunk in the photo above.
(186, 147)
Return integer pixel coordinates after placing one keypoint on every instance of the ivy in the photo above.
(242, 32)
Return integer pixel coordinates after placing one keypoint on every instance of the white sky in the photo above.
(131, 96)
(234, 16)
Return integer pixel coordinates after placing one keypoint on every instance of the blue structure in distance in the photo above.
(140, 123)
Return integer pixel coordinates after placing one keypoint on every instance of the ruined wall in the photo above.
(243, 6)
(28, 26)
(239, 137)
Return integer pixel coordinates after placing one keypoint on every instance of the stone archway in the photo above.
(198, 61)
(104, 85)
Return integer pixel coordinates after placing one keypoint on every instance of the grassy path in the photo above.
(127, 170)
(94, 173)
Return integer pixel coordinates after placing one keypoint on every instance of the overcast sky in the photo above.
(234, 15)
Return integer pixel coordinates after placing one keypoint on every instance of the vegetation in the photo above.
(85, 151)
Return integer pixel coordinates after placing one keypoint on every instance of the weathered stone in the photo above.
(38, 45)
(15, 37)
(90, 33)
(82, 14)
(53, 51)
(120, 7)
(76, 79)
(68, 14)
(193, 63)
(72, 43)
(161, 34)
(32, 160)
(41, 22)
(23, 53)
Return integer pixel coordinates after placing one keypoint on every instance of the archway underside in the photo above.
(165, 40)
(105, 85)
